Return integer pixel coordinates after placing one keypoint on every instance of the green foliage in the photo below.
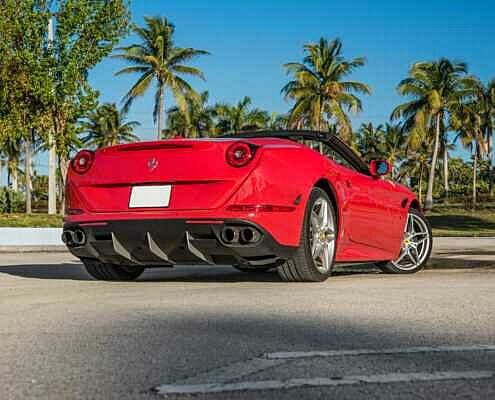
(85, 32)
(106, 126)
(11, 201)
(239, 117)
(319, 90)
(156, 58)
(197, 120)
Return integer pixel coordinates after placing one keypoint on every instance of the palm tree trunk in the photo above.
(446, 172)
(161, 112)
(52, 175)
(64, 168)
(420, 194)
(14, 181)
(490, 159)
(431, 178)
(475, 167)
(27, 173)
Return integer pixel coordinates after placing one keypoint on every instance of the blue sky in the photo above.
(250, 40)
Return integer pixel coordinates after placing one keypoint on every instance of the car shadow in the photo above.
(186, 274)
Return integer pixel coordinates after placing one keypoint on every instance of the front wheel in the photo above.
(416, 246)
(313, 260)
(111, 272)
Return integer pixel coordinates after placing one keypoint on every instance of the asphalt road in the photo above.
(65, 336)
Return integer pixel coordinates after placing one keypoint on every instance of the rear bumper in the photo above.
(165, 242)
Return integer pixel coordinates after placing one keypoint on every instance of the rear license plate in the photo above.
(150, 196)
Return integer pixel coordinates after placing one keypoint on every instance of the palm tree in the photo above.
(196, 121)
(395, 141)
(12, 148)
(467, 120)
(485, 98)
(371, 141)
(240, 117)
(435, 88)
(106, 126)
(319, 89)
(278, 122)
(157, 59)
(414, 166)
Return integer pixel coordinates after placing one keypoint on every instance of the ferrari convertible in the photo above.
(297, 201)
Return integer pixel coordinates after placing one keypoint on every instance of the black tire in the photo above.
(301, 268)
(253, 269)
(110, 272)
(390, 268)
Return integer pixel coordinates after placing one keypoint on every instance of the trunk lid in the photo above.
(196, 170)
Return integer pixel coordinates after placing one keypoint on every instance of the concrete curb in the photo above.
(30, 237)
(33, 249)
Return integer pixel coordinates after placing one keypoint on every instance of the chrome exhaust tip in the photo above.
(249, 235)
(79, 237)
(230, 235)
(68, 237)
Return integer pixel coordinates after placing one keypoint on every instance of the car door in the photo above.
(391, 203)
(361, 213)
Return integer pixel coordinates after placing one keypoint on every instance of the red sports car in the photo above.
(297, 201)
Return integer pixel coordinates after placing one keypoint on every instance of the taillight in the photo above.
(82, 162)
(240, 154)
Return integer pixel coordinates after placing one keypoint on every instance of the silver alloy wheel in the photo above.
(415, 244)
(322, 235)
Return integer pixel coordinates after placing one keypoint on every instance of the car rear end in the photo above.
(183, 201)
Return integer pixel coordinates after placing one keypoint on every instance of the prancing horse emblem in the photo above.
(152, 164)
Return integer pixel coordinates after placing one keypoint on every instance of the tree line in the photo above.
(47, 103)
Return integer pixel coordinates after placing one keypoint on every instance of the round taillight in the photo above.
(240, 154)
(82, 162)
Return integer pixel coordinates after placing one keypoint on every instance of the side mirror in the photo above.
(379, 167)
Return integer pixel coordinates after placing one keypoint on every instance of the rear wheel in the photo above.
(416, 246)
(314, 258)
(111, 272)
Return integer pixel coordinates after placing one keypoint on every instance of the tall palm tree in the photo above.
(319, 88)
(196, 121)
(435, 88)
(158, 60)
(106, 126)
(240, 117)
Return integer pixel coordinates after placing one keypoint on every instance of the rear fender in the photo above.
(283, 177)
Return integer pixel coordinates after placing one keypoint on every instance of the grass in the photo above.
(457, 221)
(30, 220)
(445, 221)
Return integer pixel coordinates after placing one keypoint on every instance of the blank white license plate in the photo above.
(150, 196)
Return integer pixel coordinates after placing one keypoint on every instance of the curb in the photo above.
(33, 249)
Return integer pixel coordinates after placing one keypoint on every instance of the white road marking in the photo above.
(312, 382)
(233, 371)
(224, 376)
(359, 352)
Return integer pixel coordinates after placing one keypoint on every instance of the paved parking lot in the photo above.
(218, 333)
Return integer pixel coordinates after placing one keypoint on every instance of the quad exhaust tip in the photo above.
(240, 235)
